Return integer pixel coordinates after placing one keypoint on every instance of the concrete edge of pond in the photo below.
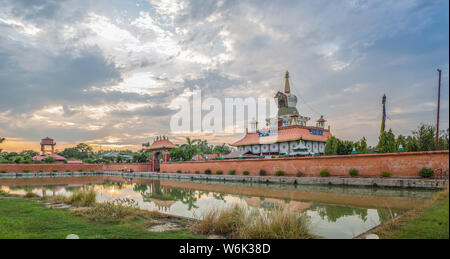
(375, 182)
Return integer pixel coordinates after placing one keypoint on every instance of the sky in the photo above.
(105, 72)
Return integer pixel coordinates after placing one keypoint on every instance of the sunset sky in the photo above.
(104, 72)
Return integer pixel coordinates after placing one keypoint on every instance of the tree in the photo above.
(32, 153)
(386, 142)
(332, 145)
(400, 141)
(425, 135)
(361, 146)
(2, 139)
(222, 149)
(345, 147)
(49, 160)
(411, 144)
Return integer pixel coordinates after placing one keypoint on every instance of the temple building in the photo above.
(288, 133)
(46, 152)
(159, 152)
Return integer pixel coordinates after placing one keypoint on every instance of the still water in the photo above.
(334, 211)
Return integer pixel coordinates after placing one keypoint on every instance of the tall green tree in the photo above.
(332, 145)
(411, 144)
(425, 135)
(386, 142)
(345, 147)
(361, 146)
(401, 140)
(222, 149)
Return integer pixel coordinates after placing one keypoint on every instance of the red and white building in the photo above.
(289, 130)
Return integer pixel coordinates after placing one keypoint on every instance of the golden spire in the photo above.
(287, 88)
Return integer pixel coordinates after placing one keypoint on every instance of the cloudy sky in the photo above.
(104, 72)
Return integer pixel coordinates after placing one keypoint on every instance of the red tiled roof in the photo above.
(165, 143)
(284, 134)
(57, 157)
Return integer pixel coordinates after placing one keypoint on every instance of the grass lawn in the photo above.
(433, 223)
(22, 218)
(429, 223)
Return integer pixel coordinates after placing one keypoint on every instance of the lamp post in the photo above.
(438, 108)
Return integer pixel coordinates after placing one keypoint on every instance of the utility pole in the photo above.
(438, 108)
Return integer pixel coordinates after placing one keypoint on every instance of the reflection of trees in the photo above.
(334, 212)
(155, 191)
(108, 183)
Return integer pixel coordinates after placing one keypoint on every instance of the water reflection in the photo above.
(333, 214)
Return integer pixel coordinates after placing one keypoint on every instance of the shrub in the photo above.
(262, 172)
(197, 172)
(299, 174)
(80, 170)
(3, 171)
(385, 174)
(232, 172)
(41, 171)
(208, 171)
(54, 170)
(31, 195)
(118, 210)
(219, 172)
(426, 172)
(246, 173)
(163, 172)
(67, 170)
(178, 171)
(353, 172)
(82, 198)
(238, 222)
(91, 171)
(324, 173)
(26, 171)
(279, 173)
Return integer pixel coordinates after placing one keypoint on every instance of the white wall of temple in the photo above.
(283, 147)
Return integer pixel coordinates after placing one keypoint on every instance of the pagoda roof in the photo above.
(162, 144)
(285, 134)
(47, 140)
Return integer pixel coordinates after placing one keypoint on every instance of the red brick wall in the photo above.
(398, 164)
(17, 168)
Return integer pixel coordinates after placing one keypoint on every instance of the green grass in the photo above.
(432, 224)
(22, 218)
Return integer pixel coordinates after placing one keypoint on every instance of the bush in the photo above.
(353, 172)
(324, 173)
(239, 222)
(208, 171)
(91, 171)
(41, 171)
(3, 171)
(54, 170)
(262, 172)
(385, 175)
(67, 170)
(246, 173)
(219, 172)
(426, 172)
(232, 172)
(197, 172)
(178, 171)
(279, 173)
(80, 170)
(82, 198)
(299, 174)
(26, 171)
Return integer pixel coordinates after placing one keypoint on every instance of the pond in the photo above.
(334, 211)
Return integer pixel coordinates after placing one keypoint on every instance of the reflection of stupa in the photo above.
(161, 204)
